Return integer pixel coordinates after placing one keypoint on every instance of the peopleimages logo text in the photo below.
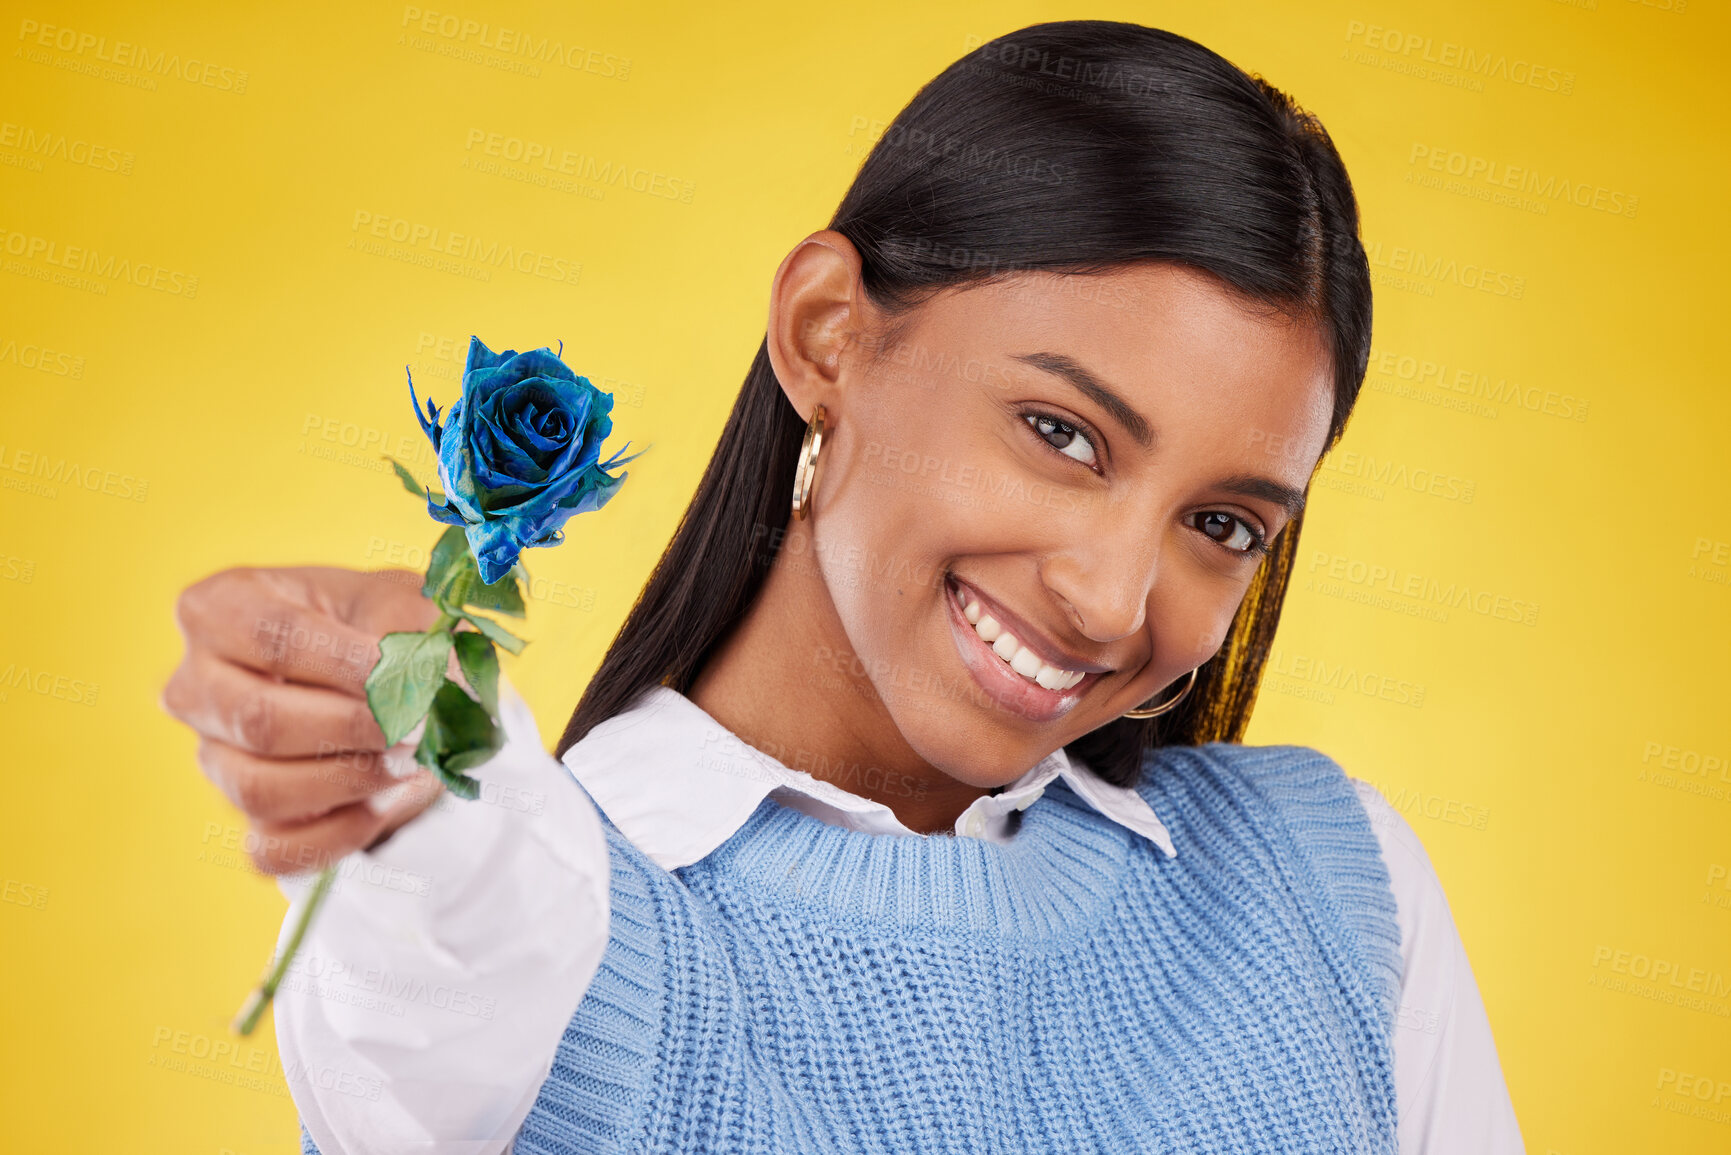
(1486, 64)
(124, 54)
(414, 235)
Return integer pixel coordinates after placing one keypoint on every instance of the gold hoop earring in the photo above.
(805, 477)
(1144, 712)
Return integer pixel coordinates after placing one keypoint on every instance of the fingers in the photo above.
(272, 621)
(290, 848)
(273, 681)
(420, 790)
(291, 791)
(313, 845)
(267, 718)
(381, 600)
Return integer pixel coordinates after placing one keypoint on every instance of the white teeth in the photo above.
(1019, 658)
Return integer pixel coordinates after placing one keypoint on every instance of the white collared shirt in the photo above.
(431, 991)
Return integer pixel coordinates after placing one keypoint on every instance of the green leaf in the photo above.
(407, 478)
(502, 597)
(480, 665)
(498, 633)
(402, 686)
(449, 567)
(460, 735)
(454, 580)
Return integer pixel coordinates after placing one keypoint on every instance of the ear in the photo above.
(816, 307)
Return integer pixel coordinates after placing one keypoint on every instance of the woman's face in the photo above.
(1094, 462)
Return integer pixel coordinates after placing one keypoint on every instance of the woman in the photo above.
(1047, 396)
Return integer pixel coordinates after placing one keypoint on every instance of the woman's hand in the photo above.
(273, 682)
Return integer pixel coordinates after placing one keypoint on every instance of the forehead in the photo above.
(1178, 344)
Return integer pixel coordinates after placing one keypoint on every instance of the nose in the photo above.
(1104, 573)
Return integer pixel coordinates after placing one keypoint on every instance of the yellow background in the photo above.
(1559, 772)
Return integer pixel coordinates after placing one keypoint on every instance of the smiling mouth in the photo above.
(1018, 676)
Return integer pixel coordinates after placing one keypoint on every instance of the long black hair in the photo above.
(1077, 147)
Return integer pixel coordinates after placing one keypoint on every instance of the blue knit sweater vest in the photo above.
(807, 988)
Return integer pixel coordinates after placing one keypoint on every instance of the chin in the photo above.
(951, 737)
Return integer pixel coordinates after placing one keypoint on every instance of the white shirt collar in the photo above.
(678, 784)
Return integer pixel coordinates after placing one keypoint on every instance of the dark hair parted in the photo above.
(1074, 147)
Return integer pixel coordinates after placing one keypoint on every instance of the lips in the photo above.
(1011, 690)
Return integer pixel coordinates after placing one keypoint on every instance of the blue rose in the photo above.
(520, 454)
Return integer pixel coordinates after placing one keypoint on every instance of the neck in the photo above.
(784, 681)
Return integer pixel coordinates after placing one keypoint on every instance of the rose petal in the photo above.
(498, 455)
(526, 403)
(521, 451)
(481, 357)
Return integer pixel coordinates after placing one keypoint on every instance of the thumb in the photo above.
(404, 802)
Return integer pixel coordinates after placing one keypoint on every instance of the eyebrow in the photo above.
(1244, 484)
(1249, 485)
(1096, 391)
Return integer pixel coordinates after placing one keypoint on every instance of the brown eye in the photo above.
(1062, 436)
(1231, 532)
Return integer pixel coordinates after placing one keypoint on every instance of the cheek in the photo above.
(885, 540)
(896, 501)
(876, 552)
(1193, 623)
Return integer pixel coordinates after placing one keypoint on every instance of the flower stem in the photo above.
(246, 1020)
(253, 1010)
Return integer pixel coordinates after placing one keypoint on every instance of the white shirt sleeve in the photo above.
(428, 998)
(1448, 1081)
